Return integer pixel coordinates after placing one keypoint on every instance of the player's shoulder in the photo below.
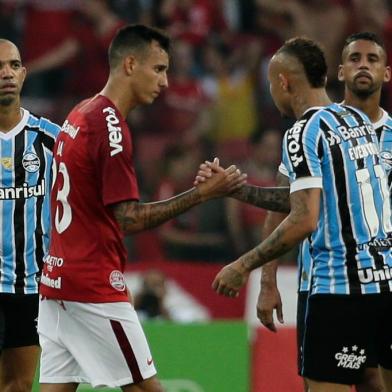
(385, 122)
(97, 110)
(41, 124)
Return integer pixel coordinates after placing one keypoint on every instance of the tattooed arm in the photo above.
(269, 296)
(301, 221)
(133, 216)
(270, 198)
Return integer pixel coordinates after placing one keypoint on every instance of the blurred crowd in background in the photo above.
(217, 103)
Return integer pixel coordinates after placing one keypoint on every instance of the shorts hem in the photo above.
(63, 380)
(334, 380)
(119, 383)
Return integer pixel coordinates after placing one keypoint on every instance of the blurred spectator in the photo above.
(46, 26)
(246, 221)
(312, 18)
(79, 50)
(229, 83)
(181, 111)
(193, 20)
(149, 302)
(200, 234)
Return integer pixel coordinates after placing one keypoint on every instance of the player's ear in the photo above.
(283, 82)
(340, 73)
(387, 74)
(24, 73)
(129, 64)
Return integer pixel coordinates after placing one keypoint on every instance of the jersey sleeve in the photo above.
(113, 155)
(300, 154)
(283, 169)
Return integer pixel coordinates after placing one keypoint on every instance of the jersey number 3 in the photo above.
(62, 222)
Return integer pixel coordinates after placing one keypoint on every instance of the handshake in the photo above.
(213, 181)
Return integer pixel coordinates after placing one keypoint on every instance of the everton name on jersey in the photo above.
(25, 181)
(92, 170)
(335, 148)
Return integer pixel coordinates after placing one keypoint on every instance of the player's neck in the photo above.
(312, 98)
(119, 96)
(10, 116)
(369, 105)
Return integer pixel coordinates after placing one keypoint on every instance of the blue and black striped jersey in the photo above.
(25, 182)
(383, 128)
(336, 149)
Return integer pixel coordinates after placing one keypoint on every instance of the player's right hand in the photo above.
(269, 299)
(220, 182)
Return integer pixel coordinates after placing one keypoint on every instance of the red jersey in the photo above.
(92, 170)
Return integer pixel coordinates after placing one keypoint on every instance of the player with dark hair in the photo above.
(26, 144)
(89, 332)
(364, 69)
(340, 200)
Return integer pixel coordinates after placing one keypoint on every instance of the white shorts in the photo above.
(101, 344)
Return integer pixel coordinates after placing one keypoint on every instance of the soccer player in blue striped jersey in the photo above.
(26, 143)
(340, 198)
(363, 54)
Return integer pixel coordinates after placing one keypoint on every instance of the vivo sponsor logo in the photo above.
(293, 145)
(23, 192)
(350, 359)
(115, 135)
(54, 283)
(371, 275)
(362, 151)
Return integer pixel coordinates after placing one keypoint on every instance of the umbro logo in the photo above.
(149, 361)
(350, 359)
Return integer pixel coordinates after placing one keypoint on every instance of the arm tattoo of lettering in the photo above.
(275, 199)
(285, 236)
(133, 216)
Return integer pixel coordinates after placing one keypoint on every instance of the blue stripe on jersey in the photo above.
(8, 230)
(383, 130)
(25, 205)
(339, 144)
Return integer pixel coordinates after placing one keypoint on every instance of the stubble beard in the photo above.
(7, 100)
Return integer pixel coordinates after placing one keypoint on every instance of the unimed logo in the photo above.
(182, 385)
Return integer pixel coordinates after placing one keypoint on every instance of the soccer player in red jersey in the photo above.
(89, 332)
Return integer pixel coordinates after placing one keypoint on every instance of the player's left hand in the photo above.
(205, 171)
(230, 279)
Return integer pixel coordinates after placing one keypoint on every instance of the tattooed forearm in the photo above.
(133, 216)
(273, 199)
(301, 221)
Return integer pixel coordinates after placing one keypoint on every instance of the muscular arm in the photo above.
(272, 221)
(269, 296)
(301, 221)
(271, 198)
(133, 216)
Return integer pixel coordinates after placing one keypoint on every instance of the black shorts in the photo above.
(341, 331)
(18, 320)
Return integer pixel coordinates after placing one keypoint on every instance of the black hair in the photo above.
(366, 36)
(311, 56)
(136, 38)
